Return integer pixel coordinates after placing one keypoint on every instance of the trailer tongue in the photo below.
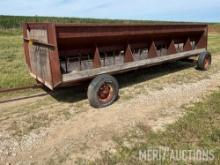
(60, 55)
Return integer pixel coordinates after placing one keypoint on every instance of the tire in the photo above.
(204, 61)
(103, 91)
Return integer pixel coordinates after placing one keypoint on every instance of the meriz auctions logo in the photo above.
(165, 153)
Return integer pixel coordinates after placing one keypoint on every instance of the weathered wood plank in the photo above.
(39, 55)
(128, 66)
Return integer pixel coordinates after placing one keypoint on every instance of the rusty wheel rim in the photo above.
(105, 93)
(206, 63)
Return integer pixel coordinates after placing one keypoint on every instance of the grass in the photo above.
(214, 43)
(198, 129)
(214, 28)
(13, 69)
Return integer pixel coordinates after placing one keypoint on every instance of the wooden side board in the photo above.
(77, 76)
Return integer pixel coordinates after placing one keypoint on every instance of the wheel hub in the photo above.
(206, 63)
(105, 92)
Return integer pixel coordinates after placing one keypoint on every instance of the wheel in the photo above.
(102, 91)
(204, 61)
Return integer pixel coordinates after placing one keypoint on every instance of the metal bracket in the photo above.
(187, 45)
(39, 43)
(128, 54)
(96, 59)
(152, 51)
(171, 48)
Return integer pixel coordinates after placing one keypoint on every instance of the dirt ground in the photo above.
(55, 130)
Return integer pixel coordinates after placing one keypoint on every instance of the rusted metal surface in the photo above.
(54, 56)
(70, 50)
(26, 48)
(105, 93)
(24, 97)
(171, 48)
(20, 88)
